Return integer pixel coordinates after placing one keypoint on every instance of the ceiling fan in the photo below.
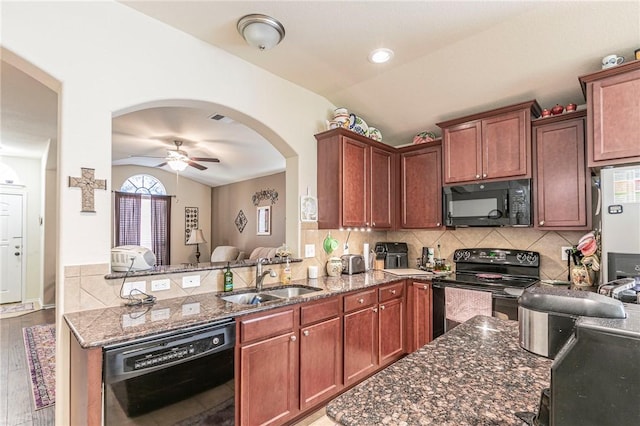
(178, 159)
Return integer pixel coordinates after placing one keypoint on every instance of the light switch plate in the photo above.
(191, 281)
(564, 253)
(309, 250)
(128, 287)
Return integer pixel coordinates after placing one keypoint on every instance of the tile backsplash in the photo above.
(86, 288)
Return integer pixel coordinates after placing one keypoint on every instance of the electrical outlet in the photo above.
(564, 252)
(128, 287)
(160, 314)
(158, 285)
(309, 250)
(133, 319)
(191, 281)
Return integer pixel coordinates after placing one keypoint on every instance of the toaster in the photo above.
(352, 264)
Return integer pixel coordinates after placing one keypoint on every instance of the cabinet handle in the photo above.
(293, 338)
(426, 287)
(541, 222)
(392, 291)
(375, 309)
(484, 175)
(361, 301)
(438, 224)
(373, 224)
(306, 332)
(477, 176)
(382, 307)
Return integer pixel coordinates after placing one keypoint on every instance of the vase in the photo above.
(583, 277)
(334, 267)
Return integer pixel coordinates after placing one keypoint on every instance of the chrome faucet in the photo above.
(260, 274)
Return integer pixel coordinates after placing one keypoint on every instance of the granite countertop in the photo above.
(101, 327)
(476, 374)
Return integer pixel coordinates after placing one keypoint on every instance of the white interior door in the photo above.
(11, 248)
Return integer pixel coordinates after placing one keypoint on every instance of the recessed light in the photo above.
(379, 56)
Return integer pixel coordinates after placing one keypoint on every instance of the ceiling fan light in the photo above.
(261, 31)
(177, 164)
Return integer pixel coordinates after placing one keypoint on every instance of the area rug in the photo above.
(220, 415)
(16, 308)
(40, 345)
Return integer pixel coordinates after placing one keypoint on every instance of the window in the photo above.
(143, 216)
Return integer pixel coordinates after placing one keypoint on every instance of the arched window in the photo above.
(143, 216)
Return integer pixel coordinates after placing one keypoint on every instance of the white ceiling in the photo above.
(452, 58)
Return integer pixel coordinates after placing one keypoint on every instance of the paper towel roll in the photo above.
(365, 255)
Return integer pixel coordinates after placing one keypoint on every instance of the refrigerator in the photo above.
(620, 222)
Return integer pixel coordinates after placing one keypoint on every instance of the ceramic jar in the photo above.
(557, 109)
(334, 267)
(571, 107)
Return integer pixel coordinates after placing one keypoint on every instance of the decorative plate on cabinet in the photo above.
(358, 125)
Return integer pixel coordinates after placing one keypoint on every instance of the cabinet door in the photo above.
(320, 362)
(506, 149)
(615, 120)
(422, 330)
(268, 381)
(391, 328)
(462, 152)
(360, 344)
(354, 182)
(421, 188)
(381, 192)
(561, 179)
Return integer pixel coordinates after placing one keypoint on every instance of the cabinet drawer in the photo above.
(360, 300)
(266, 325)
(320, 310)
(391, 291)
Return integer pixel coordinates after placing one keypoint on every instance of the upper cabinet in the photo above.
(561, 187)
(356, 177)
(613, 120)
(490, 146)
(421, 186)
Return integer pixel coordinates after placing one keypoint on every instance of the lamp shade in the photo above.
(196, 237)
(261, 31)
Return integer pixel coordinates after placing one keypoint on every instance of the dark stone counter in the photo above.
(476, 374)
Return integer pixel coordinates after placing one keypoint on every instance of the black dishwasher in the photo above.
(151, 376)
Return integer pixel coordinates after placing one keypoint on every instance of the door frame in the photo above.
(22, 191)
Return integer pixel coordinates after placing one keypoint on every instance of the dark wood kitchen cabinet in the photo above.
(561, 180)
(490, 146)
(613, 119)
(391, 323)
(355, 181)
(421, 186)
(419, 314)
(267, 368)
(320, 352)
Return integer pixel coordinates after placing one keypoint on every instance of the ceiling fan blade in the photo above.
(146, 156)
(209, 159)
(197, 166)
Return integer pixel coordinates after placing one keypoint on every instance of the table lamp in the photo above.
(196, 237)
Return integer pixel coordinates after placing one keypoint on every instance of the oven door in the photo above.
(503, 306)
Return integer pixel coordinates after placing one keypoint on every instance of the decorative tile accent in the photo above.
(241, 221)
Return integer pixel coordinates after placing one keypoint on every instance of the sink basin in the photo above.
(291, 291)
(249, 298)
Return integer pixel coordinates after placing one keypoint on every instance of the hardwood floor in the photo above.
(16, 402)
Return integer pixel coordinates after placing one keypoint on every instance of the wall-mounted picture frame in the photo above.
(190, 221)
(264, 220)
(308, 209)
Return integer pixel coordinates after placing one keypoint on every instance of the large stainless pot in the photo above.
(547, 316)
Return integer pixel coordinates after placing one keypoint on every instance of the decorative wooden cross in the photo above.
(87, 183)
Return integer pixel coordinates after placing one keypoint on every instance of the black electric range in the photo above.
(505, 273)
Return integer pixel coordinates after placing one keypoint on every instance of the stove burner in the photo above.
(489, 276)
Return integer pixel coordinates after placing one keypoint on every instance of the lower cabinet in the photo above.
(360, 344)
(267, 368)
(421, 324)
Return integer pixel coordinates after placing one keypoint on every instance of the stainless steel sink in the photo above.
(251, 298)
(291, 291)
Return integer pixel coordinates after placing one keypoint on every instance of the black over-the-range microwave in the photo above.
(506, 203)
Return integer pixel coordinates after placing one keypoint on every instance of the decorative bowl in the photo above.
(423, 137)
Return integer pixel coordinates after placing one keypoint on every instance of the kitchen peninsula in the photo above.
(476, 374)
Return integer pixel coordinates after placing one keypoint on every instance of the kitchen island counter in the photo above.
(476, 374)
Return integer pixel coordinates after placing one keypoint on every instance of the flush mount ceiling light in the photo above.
(261, 31)
(380, 56)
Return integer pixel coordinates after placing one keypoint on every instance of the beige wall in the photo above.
(188, 193)
(228, 200)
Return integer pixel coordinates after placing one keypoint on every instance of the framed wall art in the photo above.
(308, 209)
(190, 221)
(264, 220)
